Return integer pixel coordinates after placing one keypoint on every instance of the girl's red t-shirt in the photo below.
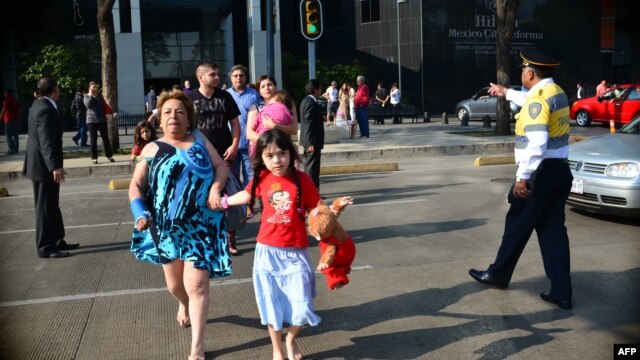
(282, 224)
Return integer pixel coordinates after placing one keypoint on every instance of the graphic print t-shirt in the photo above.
(213, 117)
(281, 223)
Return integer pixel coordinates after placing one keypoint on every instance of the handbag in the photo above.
(235, 216)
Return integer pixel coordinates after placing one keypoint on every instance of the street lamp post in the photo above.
(398, 2)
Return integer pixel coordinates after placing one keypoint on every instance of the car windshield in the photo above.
(632, 127)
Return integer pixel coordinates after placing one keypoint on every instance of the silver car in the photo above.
(606, 172)
(482, 104)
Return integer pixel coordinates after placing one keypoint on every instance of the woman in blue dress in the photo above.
(173, 191)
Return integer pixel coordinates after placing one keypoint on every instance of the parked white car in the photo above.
(606, 172)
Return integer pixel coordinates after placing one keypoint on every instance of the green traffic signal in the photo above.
(312, 29)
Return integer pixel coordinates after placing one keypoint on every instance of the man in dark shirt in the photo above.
(215, 109)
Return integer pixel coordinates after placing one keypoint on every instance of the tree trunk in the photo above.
(109, 66)
(505, 25)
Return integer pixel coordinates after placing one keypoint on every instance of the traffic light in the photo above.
(311, 19)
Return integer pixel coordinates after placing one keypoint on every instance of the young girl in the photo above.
(343, 109)
(277, 112)
(144, 134)
(283, 277)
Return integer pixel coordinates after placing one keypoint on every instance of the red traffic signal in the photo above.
(311, 19)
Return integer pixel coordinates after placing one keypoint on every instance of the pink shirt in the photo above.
(278, 112)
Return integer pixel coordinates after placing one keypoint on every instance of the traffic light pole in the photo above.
(312, 59)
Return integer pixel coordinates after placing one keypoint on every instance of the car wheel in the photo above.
(462, 114)
(583, 118)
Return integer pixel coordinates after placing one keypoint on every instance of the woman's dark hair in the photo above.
(282, 141)
(137, 137)
(263, 78)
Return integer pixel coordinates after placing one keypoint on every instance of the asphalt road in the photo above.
(417, 232)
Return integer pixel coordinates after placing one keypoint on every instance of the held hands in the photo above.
(214, 201)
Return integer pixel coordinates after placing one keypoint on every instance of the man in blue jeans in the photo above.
(362, 106)
(79, 111)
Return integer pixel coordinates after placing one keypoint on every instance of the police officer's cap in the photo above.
(535, 58)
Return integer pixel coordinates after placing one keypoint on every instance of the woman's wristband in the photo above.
(139, 210)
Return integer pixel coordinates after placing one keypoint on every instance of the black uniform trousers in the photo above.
(312, 165)
(49, 225)
(542, 210)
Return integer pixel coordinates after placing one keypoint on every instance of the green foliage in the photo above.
(295, 74)
(60, 61)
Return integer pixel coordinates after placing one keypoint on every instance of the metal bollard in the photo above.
(445, 119)
(486, 121)
(427, 117)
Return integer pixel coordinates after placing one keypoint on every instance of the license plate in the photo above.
(577, 186)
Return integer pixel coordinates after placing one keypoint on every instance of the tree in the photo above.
(297, 74)
(59, 61)
(505, 25)
(109, 65)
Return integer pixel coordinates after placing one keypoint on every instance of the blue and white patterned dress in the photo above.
(182, 226)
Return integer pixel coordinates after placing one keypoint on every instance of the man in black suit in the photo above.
(43, 165)
(311, 131)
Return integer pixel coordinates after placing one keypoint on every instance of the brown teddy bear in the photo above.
(338, 249)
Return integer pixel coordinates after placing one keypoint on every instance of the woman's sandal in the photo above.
(95, 161)
(112, 159)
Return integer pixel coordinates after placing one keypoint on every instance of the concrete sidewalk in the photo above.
(386, 142)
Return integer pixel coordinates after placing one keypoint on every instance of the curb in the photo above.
(495, 160)
(358, 168)
(119, 184)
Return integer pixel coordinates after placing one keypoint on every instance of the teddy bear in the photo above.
(336, 246)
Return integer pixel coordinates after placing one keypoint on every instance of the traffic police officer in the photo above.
(543, 180)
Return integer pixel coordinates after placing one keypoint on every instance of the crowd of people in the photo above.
(207, 135)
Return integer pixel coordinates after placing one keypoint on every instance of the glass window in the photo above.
(370, 10)
(332, 12)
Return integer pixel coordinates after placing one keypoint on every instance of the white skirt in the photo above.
(284, 285)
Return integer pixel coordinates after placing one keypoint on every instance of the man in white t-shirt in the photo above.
(332, 100)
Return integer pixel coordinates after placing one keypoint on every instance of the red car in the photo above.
(621, 104)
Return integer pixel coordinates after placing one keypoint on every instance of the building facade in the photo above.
(440, 51)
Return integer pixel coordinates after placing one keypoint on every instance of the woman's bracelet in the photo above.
(225, 202)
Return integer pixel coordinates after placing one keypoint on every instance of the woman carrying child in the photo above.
(283, 277)
(277, 112)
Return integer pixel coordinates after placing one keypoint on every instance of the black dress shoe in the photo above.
(562, 304)
(66, 246)
(56, 254)
(488, 279)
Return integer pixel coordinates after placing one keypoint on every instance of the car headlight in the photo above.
(625, 170)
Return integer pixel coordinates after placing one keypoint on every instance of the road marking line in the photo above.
(69, 227)
(212, 283)
(131, 222)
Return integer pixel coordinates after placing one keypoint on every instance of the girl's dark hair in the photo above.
(137, 138)
(283, 141)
